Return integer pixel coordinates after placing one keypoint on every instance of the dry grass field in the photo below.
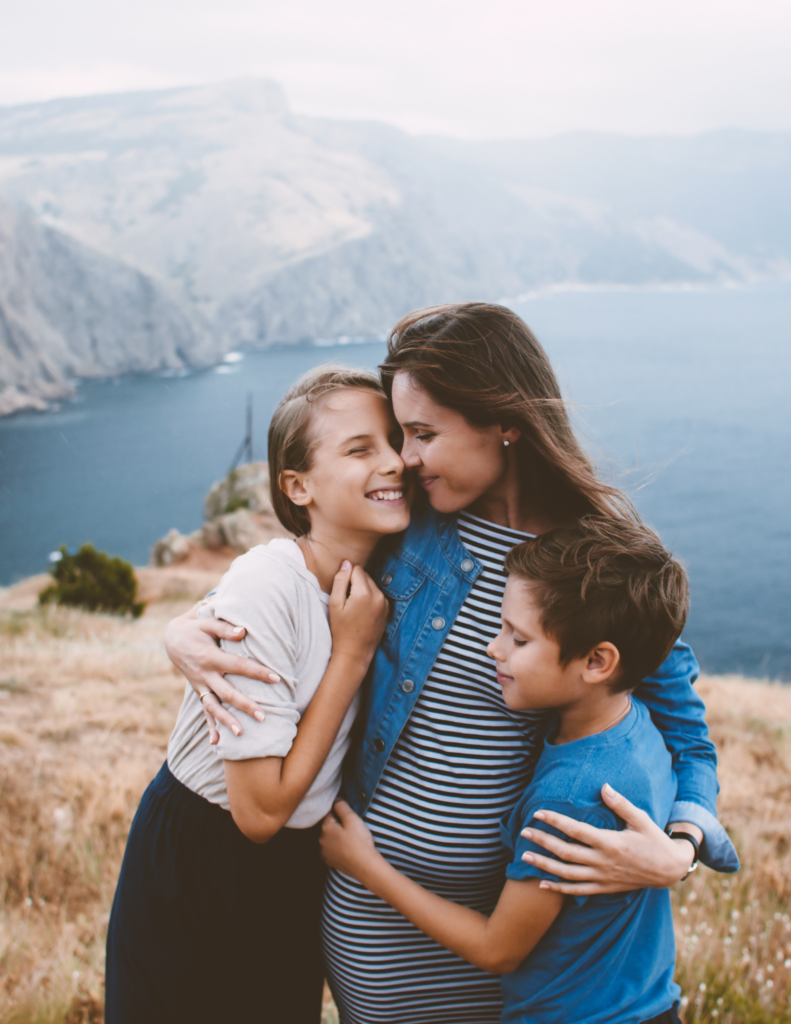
(86, 706)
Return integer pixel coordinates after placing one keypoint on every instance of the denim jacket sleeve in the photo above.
(680, 715)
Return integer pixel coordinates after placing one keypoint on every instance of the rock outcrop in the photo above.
(238, 517)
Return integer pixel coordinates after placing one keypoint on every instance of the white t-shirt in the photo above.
(271, 592)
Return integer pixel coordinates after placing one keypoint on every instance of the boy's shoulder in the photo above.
(631, 757)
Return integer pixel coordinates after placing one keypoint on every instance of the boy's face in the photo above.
(528, 661)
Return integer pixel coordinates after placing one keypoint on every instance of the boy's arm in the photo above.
(497, 944)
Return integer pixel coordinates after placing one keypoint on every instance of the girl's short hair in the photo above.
(606, 579)
(291, 440)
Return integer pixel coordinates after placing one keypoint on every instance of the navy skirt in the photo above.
(208, 926)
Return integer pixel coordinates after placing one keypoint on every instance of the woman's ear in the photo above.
(601, 664)
(295, 487)
(510, 434)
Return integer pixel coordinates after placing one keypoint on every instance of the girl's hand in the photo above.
(639, 857)
(192, 646)
(346, 844)
(358, 614)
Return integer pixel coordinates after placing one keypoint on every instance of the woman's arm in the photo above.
(600, 860)
(191, 644)
(497, 944)
(642, 856)
(265, 791)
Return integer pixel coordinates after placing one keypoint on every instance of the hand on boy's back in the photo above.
(346, 843)
(589, 861)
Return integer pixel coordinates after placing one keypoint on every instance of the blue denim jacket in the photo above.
(427, 574)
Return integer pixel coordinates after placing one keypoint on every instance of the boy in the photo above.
(589, 610)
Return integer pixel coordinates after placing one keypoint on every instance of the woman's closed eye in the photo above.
(425, 437)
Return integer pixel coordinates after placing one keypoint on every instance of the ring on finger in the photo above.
(207, 693)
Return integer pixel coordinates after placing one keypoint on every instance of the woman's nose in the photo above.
(410, 454)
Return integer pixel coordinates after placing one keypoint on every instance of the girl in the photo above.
(441, 757)
(223, 852)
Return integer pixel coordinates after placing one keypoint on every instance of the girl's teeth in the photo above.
(387, 495)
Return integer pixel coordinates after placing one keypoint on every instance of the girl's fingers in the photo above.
(340, 585)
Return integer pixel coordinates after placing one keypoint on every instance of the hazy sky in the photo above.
(490, 68)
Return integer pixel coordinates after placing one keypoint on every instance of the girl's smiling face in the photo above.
(356, 482)
(455, 461)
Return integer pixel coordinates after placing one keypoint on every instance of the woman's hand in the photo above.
(639, 857)
(192, 646)
(358, 614)
(346, 843)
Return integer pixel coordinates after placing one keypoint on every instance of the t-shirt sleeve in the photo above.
(260, 594)
(599, 817)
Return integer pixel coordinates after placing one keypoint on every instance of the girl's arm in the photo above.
(497, 944)
(265, 791)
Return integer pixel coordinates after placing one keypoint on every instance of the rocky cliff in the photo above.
(174, 225)
(69, 311)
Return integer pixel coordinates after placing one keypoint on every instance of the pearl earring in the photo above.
(506, 443)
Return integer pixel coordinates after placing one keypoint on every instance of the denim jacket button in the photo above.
(379, 744)
(467, 565)
(363, 794)
(407, 686)
(387, 579)
(438, 623)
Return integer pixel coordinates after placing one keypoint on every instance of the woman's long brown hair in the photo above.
(484, 361)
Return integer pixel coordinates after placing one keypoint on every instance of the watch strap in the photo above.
(691, 839)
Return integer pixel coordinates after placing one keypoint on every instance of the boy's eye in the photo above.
(519, 643)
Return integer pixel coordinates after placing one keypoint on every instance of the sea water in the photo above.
(683, 397)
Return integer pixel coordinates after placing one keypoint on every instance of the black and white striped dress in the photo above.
(463, 760)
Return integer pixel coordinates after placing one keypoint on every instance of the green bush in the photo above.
(93, 580)
(236, 503)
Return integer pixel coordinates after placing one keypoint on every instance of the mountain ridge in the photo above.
(253, 225)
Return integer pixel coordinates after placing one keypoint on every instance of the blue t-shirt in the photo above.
(607, 958)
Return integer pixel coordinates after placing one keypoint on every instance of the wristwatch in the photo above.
(695, 847)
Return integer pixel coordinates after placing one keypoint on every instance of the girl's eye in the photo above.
(519, 643)
(357, 451)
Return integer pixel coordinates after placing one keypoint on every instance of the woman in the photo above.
(441, 757)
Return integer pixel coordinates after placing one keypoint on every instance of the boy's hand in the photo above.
(346, 844)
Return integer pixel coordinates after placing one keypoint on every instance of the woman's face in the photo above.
(455, 461)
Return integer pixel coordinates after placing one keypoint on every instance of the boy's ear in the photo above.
(601, 663)
(294, 486)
